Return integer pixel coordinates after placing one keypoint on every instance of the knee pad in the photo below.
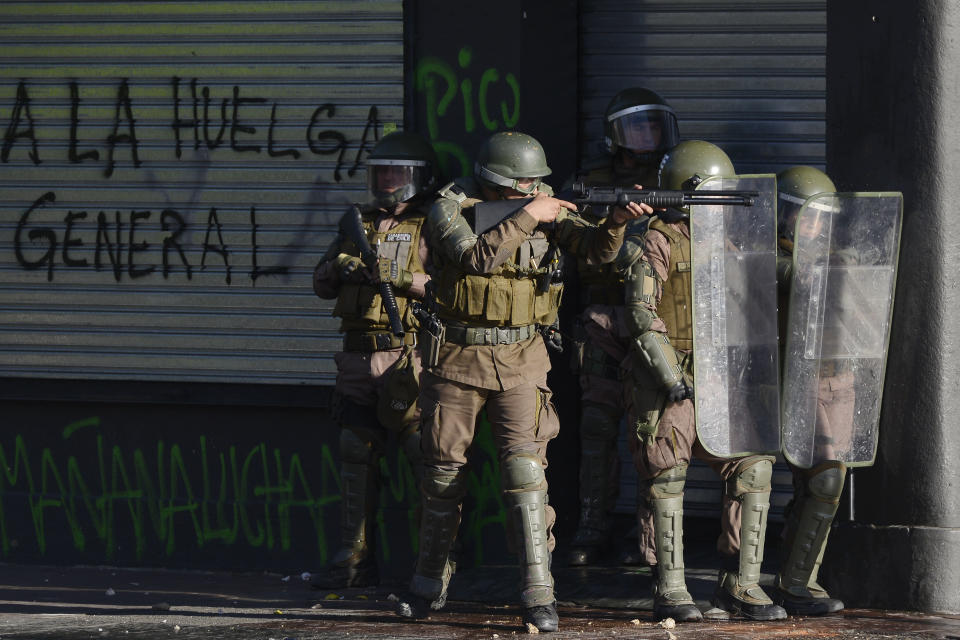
(599, 422)
(522, 472)
(444, 485)
(825, 481)
(354, 449)
(752, 475)
(668, 483)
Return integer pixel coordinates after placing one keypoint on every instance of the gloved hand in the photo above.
(680, 391)
(348, 267)
(554, 341)
(390, 271)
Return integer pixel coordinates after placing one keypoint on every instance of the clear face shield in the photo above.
(391, 182)
(644, 129)
(788, 210)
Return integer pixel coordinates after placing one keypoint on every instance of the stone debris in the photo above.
(532, 628)
(668, 623)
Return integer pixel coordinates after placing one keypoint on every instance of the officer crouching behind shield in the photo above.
(378, 370)
(494, 242)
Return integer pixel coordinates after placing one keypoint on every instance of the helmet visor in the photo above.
(644, 128)
(396, 180)
(523, 185)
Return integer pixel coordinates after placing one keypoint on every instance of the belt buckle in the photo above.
(383, 341)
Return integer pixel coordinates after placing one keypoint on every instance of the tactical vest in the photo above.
(675, 308)
(358, 304)
(508, 297)
(603, 283)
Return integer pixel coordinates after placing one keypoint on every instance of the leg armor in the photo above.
(442, 493)
(739, 590)
(354, 564)
(670, 596)
(806, 538)
(358, 505)
(599, 428)
(525, 494)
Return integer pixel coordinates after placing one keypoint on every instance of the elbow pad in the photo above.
(640, 290)
(658, 354)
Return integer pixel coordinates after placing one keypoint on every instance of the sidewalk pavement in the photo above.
(103, 602)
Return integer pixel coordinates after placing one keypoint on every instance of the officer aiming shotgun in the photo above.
(656, 198)
(351, 224)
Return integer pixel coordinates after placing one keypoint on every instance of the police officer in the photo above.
(639, 126)
(494, 291)
(376, 388)
(656, 265)
(816, 490)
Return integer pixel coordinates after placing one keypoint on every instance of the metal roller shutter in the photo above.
(747, 76)
(185, 163)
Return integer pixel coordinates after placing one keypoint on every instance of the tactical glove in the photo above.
(347, 266)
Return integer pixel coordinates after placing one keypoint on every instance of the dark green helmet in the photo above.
(794, 186)
(690, 163)
(638, 121)
(506, 158)
(401, 166)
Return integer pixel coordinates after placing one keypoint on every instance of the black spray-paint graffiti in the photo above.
(116, 243)
(243, 138)
(110, 497)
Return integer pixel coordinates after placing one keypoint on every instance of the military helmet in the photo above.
(690, 163)
(401, 166)
(507, 157)
(794, 187)
(640, 122)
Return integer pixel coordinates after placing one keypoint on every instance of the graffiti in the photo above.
(243, 138)
(167, 497)
(439, 83)
(172, 225)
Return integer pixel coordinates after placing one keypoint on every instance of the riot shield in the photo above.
(841, 301)
(735, 320)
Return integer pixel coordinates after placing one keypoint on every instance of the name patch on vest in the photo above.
(399, 237)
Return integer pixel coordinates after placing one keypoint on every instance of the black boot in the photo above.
(544, 617)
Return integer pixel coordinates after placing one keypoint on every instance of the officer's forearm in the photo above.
(418, 288)
(606, 242)
(497, 245)
(326, 282)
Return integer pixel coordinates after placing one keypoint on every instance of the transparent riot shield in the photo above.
(734, 255)
(838, 326)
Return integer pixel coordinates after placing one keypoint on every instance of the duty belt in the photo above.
(360, 341)
(489, 335)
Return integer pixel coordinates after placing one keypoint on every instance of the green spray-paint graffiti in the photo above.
(438, 81)
(224, 495)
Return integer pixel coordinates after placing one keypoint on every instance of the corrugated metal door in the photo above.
(170, 174)
(748, 76)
